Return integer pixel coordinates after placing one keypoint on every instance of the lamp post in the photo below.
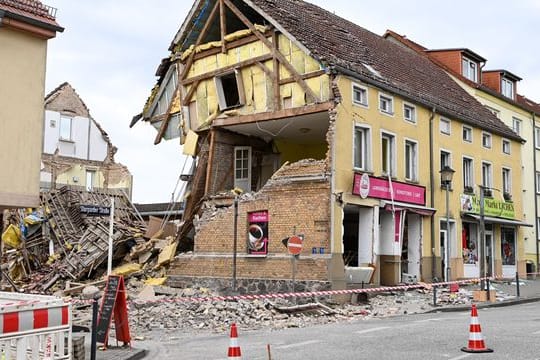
(482, 250)
(446, 178)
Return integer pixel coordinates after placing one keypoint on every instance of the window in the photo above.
(445, 159)
(486, 175)
(90, 176)
(467, 133)
(444, 126)
(230, 90)
(516, 126)
(409, 113)
(468, 183)
(495, 112)
(506, 146)
(506, 181)
(362, 146)
(486, 140)
(470, 69)
(411, 160)
(386, 104)
(65, 128)
(242, 167)
(508, 246)
(360, 95)
(537, 137)
(507, 88)
(163, 100)
(387, 154)
(538, 182)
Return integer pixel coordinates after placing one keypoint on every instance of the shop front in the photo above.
(501, 234)
(386, 233)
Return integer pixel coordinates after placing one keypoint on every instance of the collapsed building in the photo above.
(305, 124)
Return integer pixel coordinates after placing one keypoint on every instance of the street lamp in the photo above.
(446, 179)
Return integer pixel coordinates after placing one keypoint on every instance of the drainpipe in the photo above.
(535, 195)
(432, 192)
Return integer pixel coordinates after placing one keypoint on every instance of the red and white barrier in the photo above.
(34, 327)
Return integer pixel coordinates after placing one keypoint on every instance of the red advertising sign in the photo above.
(369, 186)
(258, 233)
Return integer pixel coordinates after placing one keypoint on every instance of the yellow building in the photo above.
(25, 28)
(340, 134)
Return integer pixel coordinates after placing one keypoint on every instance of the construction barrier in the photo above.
(34, 327)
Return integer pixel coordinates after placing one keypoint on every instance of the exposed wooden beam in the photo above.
(223, 26)
(273, 115)
(303, 76)
(202, 34)
(226, 69)
(275, 52)
(165, 124)
(190, 93)
(277, 92)
(231, 44)
(210, 161)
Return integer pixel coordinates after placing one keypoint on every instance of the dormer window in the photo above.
(507, 88)
(470, 69)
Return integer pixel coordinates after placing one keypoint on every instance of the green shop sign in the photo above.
(492, 207)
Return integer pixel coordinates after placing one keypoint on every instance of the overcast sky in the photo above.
(110, 50)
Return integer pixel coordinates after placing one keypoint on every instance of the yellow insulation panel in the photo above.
(311, 64)
(202, 102)
(298, 96)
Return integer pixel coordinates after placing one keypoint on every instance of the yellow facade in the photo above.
(21, 116)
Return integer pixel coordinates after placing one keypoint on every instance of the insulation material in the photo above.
(237, 35)
(126, 269)
(167, 254)
(298, 95)
(311, 64)
(325, 87)
(315, 85)
(222, 60)
(286, 90)
(155, 281)
(12, 236)
(285, 46)
(210, 63)
(187, 53)
(190, 145)
(259, 83)
(202, 101)
(298, 60)
(175, 106)
(249, 86)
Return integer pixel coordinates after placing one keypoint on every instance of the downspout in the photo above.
(535, 194)
(432, 193)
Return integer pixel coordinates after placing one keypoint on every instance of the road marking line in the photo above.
(372, 329)
(297, 344)
(429, 320)
(461, 357)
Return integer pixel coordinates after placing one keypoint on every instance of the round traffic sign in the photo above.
(294, 245)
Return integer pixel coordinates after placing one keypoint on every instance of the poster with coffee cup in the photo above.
(258, 233)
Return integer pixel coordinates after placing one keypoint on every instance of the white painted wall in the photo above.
(83, 132)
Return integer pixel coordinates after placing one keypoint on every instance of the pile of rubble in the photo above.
(66, 240)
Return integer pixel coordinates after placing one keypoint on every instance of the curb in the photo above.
(482, 305)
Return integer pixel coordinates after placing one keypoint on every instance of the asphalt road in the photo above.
(513, 332)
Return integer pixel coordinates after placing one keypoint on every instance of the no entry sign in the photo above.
(294, 245)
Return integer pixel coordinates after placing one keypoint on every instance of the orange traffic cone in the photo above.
(476, 341)
(234, 350)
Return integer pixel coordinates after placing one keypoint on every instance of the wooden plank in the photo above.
(303, 76)
(273, 115)
(189, 95)
(276, 53)
(276, 78)
(223, 26)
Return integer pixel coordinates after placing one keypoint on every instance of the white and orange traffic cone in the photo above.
(234, 350)
(476, 341)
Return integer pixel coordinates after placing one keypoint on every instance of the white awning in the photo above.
(496, 220)
(417, 209)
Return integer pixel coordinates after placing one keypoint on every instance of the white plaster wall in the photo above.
(98, 145)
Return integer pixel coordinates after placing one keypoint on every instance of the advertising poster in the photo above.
(258, 233)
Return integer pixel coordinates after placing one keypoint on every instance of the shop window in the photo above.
(469, 243)
(508, 246)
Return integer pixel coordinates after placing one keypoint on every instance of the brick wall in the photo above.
(492, 80)
(452, 59)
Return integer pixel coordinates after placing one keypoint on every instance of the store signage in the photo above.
(258, 233)
(369, 186)
(492, 207)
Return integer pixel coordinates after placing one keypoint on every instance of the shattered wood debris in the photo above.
(62, 241)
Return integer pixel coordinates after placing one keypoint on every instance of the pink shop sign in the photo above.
(369, 186)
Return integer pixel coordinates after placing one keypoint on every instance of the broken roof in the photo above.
(31, 11)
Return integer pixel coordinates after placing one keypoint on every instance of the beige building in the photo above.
(25, 28)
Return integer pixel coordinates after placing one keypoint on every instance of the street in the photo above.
(510, 331)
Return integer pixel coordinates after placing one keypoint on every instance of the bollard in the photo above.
(434, 295)
(94, 330)
(517, 284)
(487, 288)
(362, 284)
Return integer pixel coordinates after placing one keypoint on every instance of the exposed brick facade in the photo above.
(451, 58)
(492, 79)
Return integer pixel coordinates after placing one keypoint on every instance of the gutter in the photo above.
(432, 193)
(535, 194)
(31, 21)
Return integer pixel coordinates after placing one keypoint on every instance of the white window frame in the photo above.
(467, 130)
(445, 126)
(242, 182)
(506, 174)
(486, 136)
(364, 101)
(221, 92)
(468, 172)
(516, 125)
(487, 174)
(448, 155)
(61, 129)
(389, 100)
(537, 137)
(506, 146)
(365, 132)
(412, 112)
(411, 160)
(469, 69)
(390, 161)
(507, 88)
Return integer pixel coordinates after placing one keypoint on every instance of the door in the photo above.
(443, 237)
(508, 252)
(242, 168)
(489, 253)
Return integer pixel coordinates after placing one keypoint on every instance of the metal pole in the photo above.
(517, 284)
(94, 329)
(435, 295)
(235, 242)
(481, 249)
(447, 260)
(111, 228)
